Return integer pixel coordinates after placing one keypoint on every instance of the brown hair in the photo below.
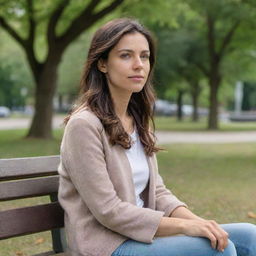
(94, 91)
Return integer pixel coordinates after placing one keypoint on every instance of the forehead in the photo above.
(132, 41)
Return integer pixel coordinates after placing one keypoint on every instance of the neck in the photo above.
(121, 102)
(121, 109)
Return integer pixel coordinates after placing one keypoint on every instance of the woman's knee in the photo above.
(243, 235)
(230, 250)
(248, 232)
(251, 238)
(251, 229)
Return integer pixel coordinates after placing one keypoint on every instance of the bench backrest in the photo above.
(26, 178)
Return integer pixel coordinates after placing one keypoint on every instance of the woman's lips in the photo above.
(136, 78)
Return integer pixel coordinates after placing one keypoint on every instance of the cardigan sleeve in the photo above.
(165, 200)
(82, 154)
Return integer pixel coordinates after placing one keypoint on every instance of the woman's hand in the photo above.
(183, 221)
(206, 228)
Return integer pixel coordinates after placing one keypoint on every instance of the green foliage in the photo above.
(70, 69)
(15, 79)
(180, 28)
(17, 13)
(224, 15)
(179, 51)
(151, 12)
(10, 92)
(184, 49)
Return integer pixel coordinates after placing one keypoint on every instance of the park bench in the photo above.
(26, 178)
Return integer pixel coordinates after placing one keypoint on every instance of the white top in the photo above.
(139, 166)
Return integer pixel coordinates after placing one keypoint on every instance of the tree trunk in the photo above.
(41, 126)
(214, 81)
(179, 105)
(60, 102)
(195, 96)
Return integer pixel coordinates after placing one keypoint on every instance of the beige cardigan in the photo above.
(97, 191)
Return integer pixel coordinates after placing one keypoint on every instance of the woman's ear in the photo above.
(102, 66)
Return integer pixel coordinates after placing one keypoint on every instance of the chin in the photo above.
(137, 88)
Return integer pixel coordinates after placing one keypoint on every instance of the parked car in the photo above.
(187, 110)
(4, 111)
(164, 107)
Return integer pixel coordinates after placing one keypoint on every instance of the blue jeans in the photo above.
(242, 242)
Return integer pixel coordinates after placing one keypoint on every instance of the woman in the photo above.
(115, 201)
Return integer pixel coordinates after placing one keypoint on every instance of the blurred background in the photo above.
(205, 82)
(205, 67)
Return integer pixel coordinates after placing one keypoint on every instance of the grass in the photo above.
(216, 181)
(13, 144)
(171, 124)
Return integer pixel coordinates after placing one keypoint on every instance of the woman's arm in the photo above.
(83, 158)
(184, 213)
(183, 221)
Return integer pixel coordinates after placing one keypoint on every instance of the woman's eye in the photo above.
(125, 55)
(145, 57)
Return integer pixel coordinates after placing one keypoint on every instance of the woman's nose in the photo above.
(137, 63)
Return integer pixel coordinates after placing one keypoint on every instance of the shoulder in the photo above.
(84, 119)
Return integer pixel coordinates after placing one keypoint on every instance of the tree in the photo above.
(222, 27)
(222, 20)
(61, 22)
(178, 48)
(178, 52)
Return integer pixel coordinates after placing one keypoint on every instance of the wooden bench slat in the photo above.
(30, 177)
(28, 220)
(28, 167)
(28, 188)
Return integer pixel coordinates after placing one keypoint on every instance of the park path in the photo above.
(20, 123)
(205, 137)
(162, 136)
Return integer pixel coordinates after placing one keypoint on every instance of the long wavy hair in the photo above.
(95, 95)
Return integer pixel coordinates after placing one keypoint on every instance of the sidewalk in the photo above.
(21, 123)
(205, 137)
(163, 136)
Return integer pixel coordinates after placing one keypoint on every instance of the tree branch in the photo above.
(78, 25)
(211, 37)
(108, 9)
(85, 20)
(91, 6)
(32, 23)
(203, 69)
(12, 32)
(228, 37)
(29, 42)
(54, 20)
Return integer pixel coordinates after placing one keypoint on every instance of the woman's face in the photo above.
(127, 67)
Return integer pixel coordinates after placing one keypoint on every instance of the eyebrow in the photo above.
(129, 50)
